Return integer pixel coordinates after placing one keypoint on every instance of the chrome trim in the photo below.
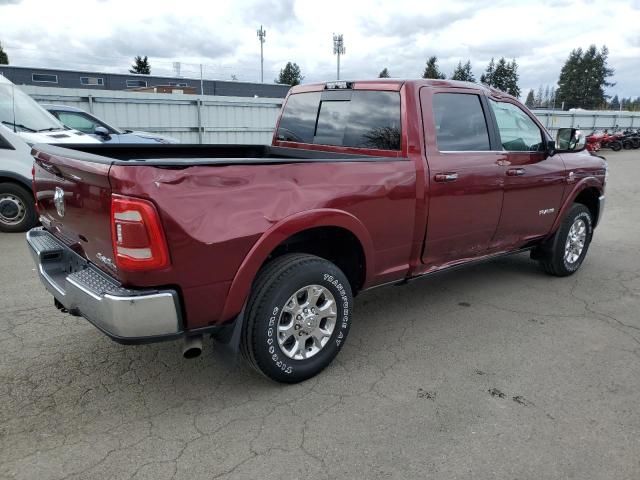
(121, 313)
(474, 151)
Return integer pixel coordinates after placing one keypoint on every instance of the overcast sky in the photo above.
(104, 35)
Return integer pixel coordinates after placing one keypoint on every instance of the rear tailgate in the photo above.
(74, 202)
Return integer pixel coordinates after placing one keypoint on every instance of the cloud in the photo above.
(404, 25)
(508, 48)
(271, 12)
(167, 37)
(399, 35)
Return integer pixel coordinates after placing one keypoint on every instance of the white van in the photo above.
(24, 123)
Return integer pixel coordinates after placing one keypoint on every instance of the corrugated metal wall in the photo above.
(588, 120)
(216, 119)
(190, 118)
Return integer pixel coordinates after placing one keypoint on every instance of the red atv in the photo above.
(611, 141)
(594, 141)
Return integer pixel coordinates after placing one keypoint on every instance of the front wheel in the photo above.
(567, 249)
(298, 317)
(17, 208)
(615, 146)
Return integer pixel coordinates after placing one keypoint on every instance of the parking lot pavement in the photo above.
(493, 371)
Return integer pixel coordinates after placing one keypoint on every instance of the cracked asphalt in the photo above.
(493, 371)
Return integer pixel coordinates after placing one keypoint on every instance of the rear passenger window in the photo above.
(460, 123)
(298, 121)
(362, 119)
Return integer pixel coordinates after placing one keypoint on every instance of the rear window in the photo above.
(358, 118)
(460, 123)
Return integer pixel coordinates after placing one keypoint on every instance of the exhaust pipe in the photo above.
(192, 347)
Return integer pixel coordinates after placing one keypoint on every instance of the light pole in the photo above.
(338, 49)
(262, 33)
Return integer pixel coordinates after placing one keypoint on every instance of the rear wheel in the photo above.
(17, 208)
(298, 317)
(615, 146)
(565, 252)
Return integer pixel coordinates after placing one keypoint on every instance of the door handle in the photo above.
(446, 177)
(515, 172)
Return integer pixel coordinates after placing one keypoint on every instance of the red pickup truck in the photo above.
(366, 183)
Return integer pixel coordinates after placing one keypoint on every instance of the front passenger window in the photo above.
(518, 133)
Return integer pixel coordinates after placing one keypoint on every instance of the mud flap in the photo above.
(229, 336)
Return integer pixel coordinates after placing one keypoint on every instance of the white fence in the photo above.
(588, 121)
(216, 119)
(190, 118)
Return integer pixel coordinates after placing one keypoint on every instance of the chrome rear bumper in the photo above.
(126, 315)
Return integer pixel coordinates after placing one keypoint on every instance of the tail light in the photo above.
(137, 236)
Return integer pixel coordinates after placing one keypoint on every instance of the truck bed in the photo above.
(182, 155)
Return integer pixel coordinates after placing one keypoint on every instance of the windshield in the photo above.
(29, 116)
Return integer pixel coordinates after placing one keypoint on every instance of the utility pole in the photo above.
(338, 49)
(201, 81)
(262, 33)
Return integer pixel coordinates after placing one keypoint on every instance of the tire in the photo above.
(273, 305)
(17, 208)
(627, 144)
(615, 146)
(554, 258)
(635, 143)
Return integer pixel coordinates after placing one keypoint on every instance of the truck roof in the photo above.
(396, 84)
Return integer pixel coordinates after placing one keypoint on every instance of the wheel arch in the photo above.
(10, 177)
(586, 192)
(297, 229)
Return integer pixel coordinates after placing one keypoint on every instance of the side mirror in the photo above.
(102, 132)
(570, 140)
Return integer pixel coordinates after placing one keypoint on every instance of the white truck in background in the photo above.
(23, 123)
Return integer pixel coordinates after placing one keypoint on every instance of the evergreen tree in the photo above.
(463, 72)
(503, 75)
(512, 78)
(487, 76)
(615, 103)
(539, 97)
(432, 70)
(531, 100)
(4, 58)
(290, 75)
(583, 78)
(384, 73)
(547, 96)
(141, 66)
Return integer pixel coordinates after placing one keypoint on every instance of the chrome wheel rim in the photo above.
(12, 210)
(307, 322)
(575, 241)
